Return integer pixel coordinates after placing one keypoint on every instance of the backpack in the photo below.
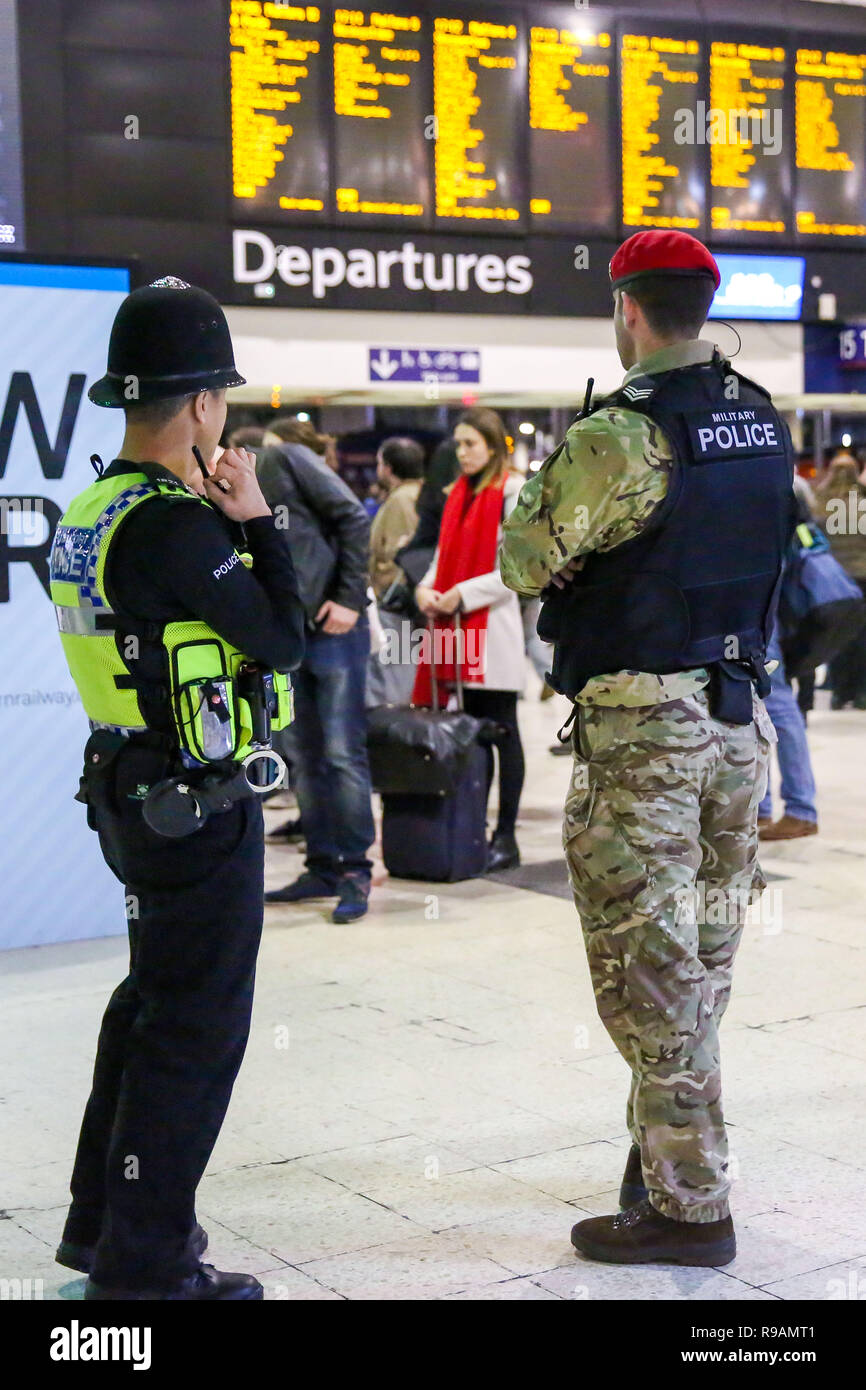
(821, 608)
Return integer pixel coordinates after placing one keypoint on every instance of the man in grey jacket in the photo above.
(326, 744)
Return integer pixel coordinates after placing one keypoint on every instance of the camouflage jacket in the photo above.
(597, 490)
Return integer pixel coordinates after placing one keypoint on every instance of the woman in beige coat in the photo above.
(464, 575)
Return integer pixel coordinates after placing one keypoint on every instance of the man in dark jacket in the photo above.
(330, 534)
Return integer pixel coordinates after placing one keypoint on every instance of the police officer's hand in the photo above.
(234, 487)
(567, 573)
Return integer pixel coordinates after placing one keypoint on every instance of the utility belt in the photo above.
(729, 693)
(181, 802)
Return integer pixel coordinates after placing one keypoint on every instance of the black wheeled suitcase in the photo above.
(441, 837)
(431, 771)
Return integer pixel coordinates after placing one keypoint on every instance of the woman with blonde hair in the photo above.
(290, 429)
(464, 576)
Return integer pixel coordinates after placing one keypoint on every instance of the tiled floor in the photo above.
(448, 1104)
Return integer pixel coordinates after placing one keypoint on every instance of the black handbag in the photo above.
(399, 598)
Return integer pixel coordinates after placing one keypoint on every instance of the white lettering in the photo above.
(446, 280)
(324, 267)
(464, 263)
(323, 278)
(490, 274)
(519, 270)
(243, 273)
(410, 258)
(384, 261)
(227, 565)
(361, 270)
(704, 437)
(293, 265)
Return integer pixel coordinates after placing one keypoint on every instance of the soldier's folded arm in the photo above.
(595, 491)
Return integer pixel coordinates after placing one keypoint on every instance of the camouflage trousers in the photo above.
(660, 818)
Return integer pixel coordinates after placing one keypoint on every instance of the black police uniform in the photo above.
(174, 1033)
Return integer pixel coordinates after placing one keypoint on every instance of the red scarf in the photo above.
(467, 548)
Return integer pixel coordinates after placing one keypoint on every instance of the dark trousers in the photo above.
(501, 705)
(174, 1033)
(327, 746)
(847, 673)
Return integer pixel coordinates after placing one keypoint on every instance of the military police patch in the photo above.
(717, 434)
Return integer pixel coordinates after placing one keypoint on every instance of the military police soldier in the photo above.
(178, 610)
(655, 533)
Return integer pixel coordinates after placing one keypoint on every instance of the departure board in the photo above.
(547, 117)
(570, 127)
(749, 174)
(830, 94)
(278, 82)
(479, 85)
(662, 160)
(381, 101)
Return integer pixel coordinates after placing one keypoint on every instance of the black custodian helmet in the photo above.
(168, 339)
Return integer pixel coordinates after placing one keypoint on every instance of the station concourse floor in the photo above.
(428, 1101)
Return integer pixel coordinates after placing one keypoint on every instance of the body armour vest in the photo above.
(699, 586)
(220, 706)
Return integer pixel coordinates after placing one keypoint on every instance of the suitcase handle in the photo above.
(458, 664)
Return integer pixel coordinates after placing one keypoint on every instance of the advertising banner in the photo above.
(56, 322)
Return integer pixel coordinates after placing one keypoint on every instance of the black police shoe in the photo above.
(206, 1285)
(642, 1235)
(632, 1190)
(354, 890)
(304, 889)
(502, 853)
(80, 1257)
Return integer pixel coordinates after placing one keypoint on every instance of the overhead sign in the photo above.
(442, 365)
(851, 343)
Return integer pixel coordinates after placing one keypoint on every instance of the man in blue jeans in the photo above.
(798, 783)
(327, 743)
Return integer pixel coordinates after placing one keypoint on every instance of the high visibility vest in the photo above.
(223, 705)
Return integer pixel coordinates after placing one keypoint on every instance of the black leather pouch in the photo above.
(730, 693)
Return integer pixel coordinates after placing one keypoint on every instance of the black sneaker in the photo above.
(632, 1190)
(206, 1285)
(354, 890)
(288, 832)
(304, 889)
(642, 1236)
(80, 1257)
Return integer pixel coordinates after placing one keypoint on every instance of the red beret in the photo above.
(661, 253)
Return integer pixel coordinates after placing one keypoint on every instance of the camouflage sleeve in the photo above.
(595, 491)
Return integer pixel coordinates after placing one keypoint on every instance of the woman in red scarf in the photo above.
(464, 576)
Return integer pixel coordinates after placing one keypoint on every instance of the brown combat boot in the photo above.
(788, 828)
(642, 1235)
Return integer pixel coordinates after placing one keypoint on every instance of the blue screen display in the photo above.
(759, 287)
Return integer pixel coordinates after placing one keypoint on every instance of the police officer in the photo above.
(178, 610)
(655, 533)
